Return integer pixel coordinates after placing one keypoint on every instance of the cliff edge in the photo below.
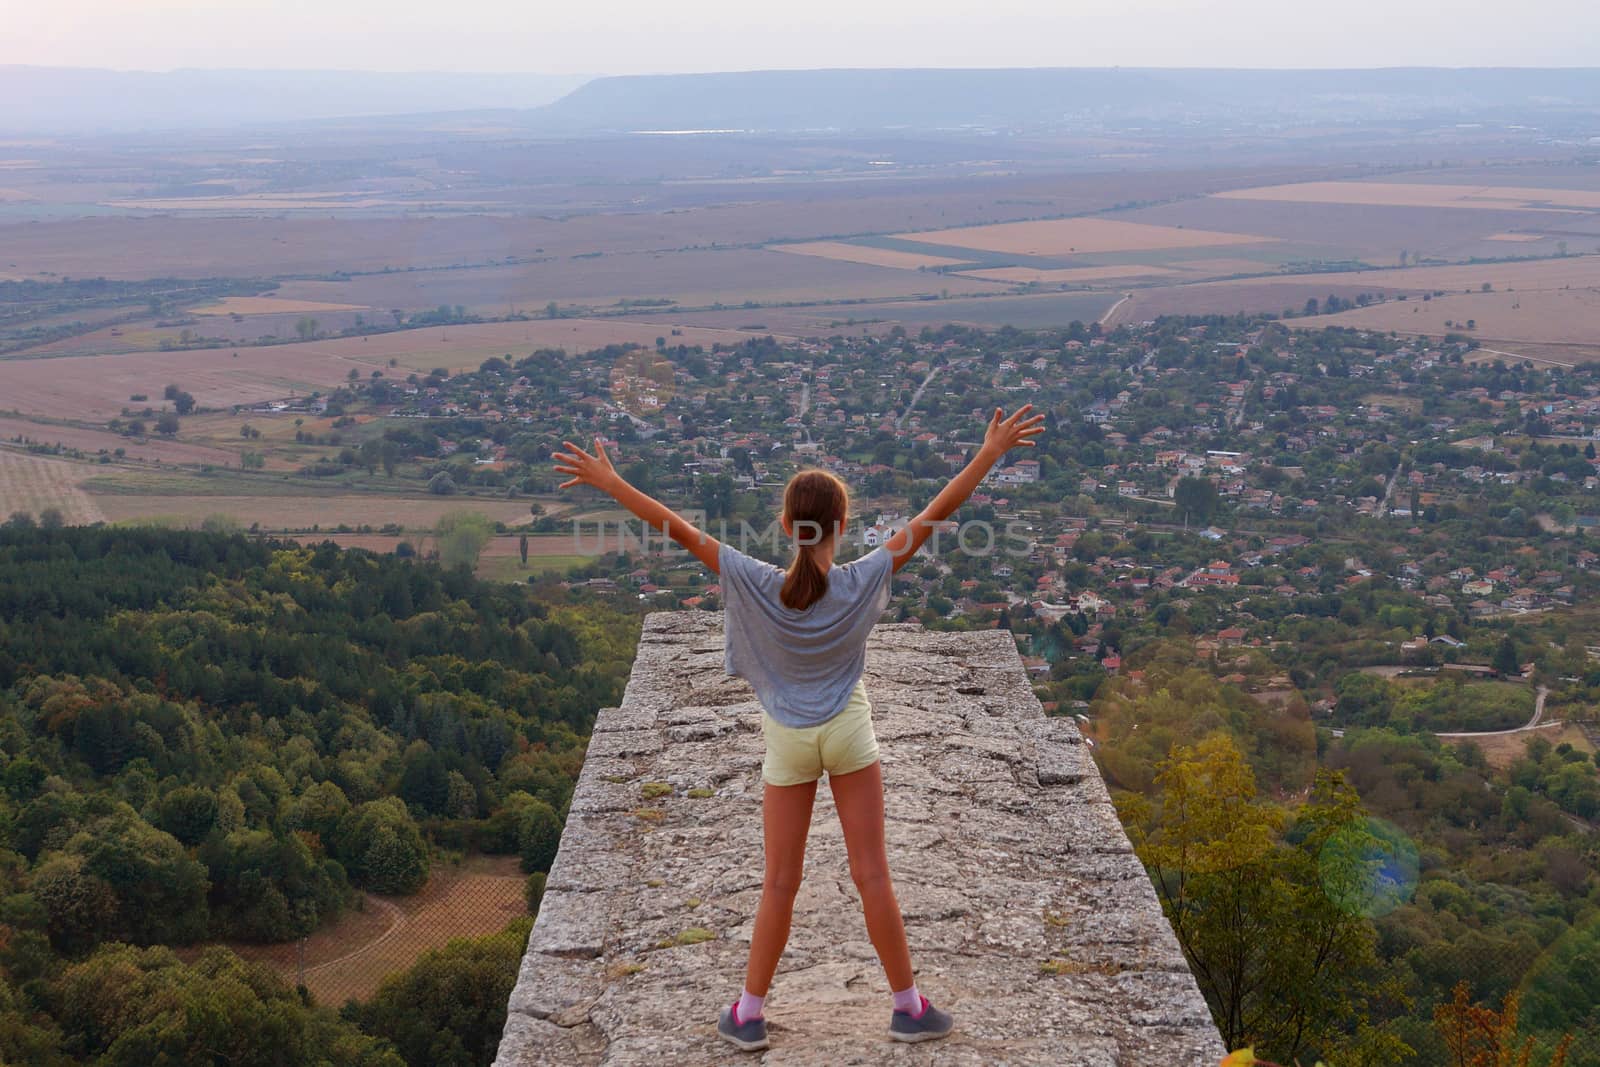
(1029, 916)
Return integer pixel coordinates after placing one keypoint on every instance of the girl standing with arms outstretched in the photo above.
(799, 638)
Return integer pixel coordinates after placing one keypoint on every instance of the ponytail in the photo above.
(815, 504)
(805, 584)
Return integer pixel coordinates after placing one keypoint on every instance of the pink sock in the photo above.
(910, 1002)
(748, 1008)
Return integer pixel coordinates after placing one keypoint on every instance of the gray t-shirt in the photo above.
(802, 664)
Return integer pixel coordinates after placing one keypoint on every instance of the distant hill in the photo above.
(74, 100)
(931, 99)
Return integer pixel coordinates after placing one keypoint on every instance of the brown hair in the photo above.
(815, 503)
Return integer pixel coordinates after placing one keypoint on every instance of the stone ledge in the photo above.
(1029, 916)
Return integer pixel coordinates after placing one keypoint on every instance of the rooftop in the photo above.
(1029, 916)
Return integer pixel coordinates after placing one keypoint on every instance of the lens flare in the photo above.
(1368, 868)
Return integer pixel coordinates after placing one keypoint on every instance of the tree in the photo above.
(1284, 958)
(266, 888)
(522, 548)
(1482, 1037)
(1196, 498)
(461, 536)
(1505, 657)
(167, 423)
(183, 403)
(158, 894)
(535, 828)
(379, 845)
(533, 891)
(127, 1006)
(187, 812)
(442, 484)
(449, 1008)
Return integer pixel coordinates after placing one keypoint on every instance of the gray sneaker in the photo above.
(750, 1035)
(931, 1025)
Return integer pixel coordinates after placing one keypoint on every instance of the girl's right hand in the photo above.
(1008, 432)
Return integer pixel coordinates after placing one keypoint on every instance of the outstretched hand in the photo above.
(586, 469)
(1013, 431)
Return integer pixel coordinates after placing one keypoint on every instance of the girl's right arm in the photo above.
(596, 470)
(1004, 433)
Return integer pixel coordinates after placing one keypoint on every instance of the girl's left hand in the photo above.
(595, 470)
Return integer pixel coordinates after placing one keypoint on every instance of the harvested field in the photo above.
(875, 257)
(1515, 237)
(1225, 298)
(1333, 232)
(304, 513)
(1067, 275)
(1518, 279)
(1221, 266)
(549, 546)
(269, 305)
(34, 483)
(691, 277)
(98, 387)
(1557, 316)
(1406, 194)
(93, 441)
(1560, 273)
(262, 202)
(350, 958)
(245, 246)
(1063, 237)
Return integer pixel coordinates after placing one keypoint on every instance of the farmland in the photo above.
(303, 512)
(349, 958)
(34, 485)
(92, 441)
(695, 260)
(1067, 275)
(1064, 237)
(98, 387)
(875, 257)
(1555, 316)
(268, 305)
(1539, 301)
(1429, 195)
(690, 277)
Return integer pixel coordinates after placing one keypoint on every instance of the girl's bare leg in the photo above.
(786, 820)
(859, 798)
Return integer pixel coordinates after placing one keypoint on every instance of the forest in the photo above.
(208, 737)
(1359, 899)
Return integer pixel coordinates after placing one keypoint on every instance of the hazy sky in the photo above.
(635, 36)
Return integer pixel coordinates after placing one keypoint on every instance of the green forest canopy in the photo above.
(205, 736)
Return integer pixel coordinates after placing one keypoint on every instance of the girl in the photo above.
(799, 638)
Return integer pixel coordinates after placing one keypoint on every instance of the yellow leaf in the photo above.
(1243, 1058)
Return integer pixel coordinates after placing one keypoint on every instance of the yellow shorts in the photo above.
(842, 745)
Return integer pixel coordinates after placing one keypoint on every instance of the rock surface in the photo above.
(1028, 914)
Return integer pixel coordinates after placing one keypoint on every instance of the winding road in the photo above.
(1535, 723)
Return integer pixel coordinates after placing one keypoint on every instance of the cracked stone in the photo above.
(1004, 847)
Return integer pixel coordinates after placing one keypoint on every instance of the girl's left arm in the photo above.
(596, 470)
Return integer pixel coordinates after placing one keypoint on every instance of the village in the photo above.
(1224, 472)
